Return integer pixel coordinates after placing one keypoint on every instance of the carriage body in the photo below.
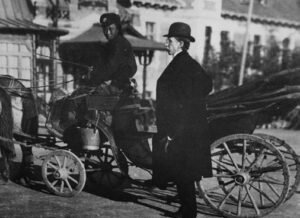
(120, 128)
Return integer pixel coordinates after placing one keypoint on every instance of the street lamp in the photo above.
(145, 58)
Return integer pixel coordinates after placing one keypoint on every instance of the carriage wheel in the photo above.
(103, 170)
(291, 158)
(223, 159)
(248, 173)
(63, 173)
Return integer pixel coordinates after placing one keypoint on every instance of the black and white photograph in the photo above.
(149, 108)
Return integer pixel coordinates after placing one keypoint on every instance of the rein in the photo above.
(12, 89)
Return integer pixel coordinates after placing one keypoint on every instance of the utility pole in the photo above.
(245, 47)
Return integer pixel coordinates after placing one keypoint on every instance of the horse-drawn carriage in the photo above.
(103, 131)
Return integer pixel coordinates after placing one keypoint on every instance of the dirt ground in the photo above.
(134, 201)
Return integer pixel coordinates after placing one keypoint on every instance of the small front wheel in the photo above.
(63, 173)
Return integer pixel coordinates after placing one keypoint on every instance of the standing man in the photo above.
(117, 60)
(181, 149)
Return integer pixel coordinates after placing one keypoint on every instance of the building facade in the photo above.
(20, 42)
(212, 23)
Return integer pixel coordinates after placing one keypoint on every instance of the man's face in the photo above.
(111, 31)
(173, 45)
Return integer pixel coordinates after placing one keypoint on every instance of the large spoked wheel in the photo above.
(250, 177)
(103, 170)
(291, 158)
(63, 173)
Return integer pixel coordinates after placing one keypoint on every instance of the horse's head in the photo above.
(23, 103)
(14, 86)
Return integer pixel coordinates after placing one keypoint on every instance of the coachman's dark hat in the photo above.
(179, 29)
(110, 18)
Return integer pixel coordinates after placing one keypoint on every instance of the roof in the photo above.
(137, 41)
(277, 12)
(17, 16)
(163, 4)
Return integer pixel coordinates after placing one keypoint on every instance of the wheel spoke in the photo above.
(286, 153)
(292, 165)
(244, 155)
(248, 160)
(263, 193)
(99, 158)
(52, 166)
(274, 162)
(54, 183)
(252, 200)
(73, 180)
(219, 186)
(246, 194)
(111, 160)
(223, 165)
(62, 184)
(267, 181)
(106, 155)
(256, 160)
(230, 155)
(57, 160)
(239, 206)
(273, 189)
(228, 162)
(218, 153)
(49, 173)
(223, 175)
(260, 186)
(226, 197)
(65, 162)
(68, 184)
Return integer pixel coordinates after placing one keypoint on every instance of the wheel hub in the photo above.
(242, 178)
(61, 174)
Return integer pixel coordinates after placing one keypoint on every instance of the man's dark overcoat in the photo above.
(181, 114)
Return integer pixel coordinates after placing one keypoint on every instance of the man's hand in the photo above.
(166, 142)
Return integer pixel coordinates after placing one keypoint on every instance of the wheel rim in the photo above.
(291, 158)
(103, 170)
(242, 185)
(63, 173)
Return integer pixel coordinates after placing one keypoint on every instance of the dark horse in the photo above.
(7, 149)
(25, 117)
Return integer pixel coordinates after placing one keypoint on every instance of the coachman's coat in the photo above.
(117, 63)
(181, 114)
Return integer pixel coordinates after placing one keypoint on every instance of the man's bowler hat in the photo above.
(110, 18)
(179, 29)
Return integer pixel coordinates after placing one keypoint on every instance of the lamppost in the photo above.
(245, 47)
(145, 58)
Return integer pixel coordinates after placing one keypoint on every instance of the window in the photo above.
(44, 71)
(263, 2)
(16, 60)
(150, 30)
